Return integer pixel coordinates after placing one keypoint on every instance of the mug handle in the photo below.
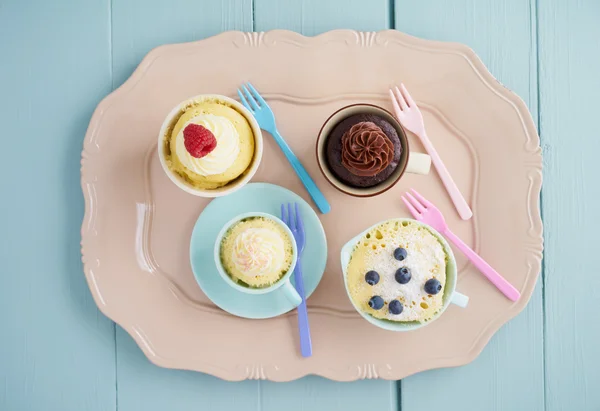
(459, 299)
(291, 294)
(418, 163)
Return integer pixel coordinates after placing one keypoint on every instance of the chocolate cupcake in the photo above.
(363, 150)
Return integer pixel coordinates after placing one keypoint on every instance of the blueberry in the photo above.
(433, 286)
(372, 277)
(376, 302)
(395, 307)
(403, 275)
(400, 253)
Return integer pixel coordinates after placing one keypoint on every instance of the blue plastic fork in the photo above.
(297, 227)
(263, 114)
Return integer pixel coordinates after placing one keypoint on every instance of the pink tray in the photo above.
(137, 226)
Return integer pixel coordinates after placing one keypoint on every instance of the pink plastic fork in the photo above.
(425, 211)
(410, 117)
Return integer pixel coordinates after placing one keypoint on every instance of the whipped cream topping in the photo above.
(222, 157)
(258, 251)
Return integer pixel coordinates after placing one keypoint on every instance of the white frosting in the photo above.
(224, 154)
(425, 255)
(258, 252)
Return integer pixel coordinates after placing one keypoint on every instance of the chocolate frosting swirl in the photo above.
(366, 150)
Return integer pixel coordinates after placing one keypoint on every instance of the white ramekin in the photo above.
(235, 184)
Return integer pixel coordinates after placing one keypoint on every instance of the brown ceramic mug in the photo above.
(417, 163)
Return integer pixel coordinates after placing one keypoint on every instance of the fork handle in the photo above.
(306, 179)
(457, 198)
(303, 327)
(495, 278)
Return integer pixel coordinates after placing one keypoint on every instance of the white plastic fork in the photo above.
(410, 117)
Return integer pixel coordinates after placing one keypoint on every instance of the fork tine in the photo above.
(256, 95)
(244, 101)
(400, 99)
(299, 222)
(422, 199)
(395, 103)
(283, 216)
(291, 219)
(407, 96)
(253, 103)
(416, 203)
(412, 210)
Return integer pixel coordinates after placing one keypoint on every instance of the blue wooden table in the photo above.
(58, 59)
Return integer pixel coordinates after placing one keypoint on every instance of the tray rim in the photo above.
(362, 371)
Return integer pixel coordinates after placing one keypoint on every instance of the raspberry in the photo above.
(198, 140)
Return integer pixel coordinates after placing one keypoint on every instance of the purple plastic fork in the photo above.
(296, 226)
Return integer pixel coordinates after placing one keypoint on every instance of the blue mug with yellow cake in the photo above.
(400, 274)
(255, 253)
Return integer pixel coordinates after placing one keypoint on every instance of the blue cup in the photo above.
(284, 282)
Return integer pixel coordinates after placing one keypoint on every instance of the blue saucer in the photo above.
(266, 198)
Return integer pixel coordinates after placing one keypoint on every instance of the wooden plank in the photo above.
(569, 89)
(57, 350)
(509, 374)
(139, 26)
(316, 394)
(144, 386)
(311, 17)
